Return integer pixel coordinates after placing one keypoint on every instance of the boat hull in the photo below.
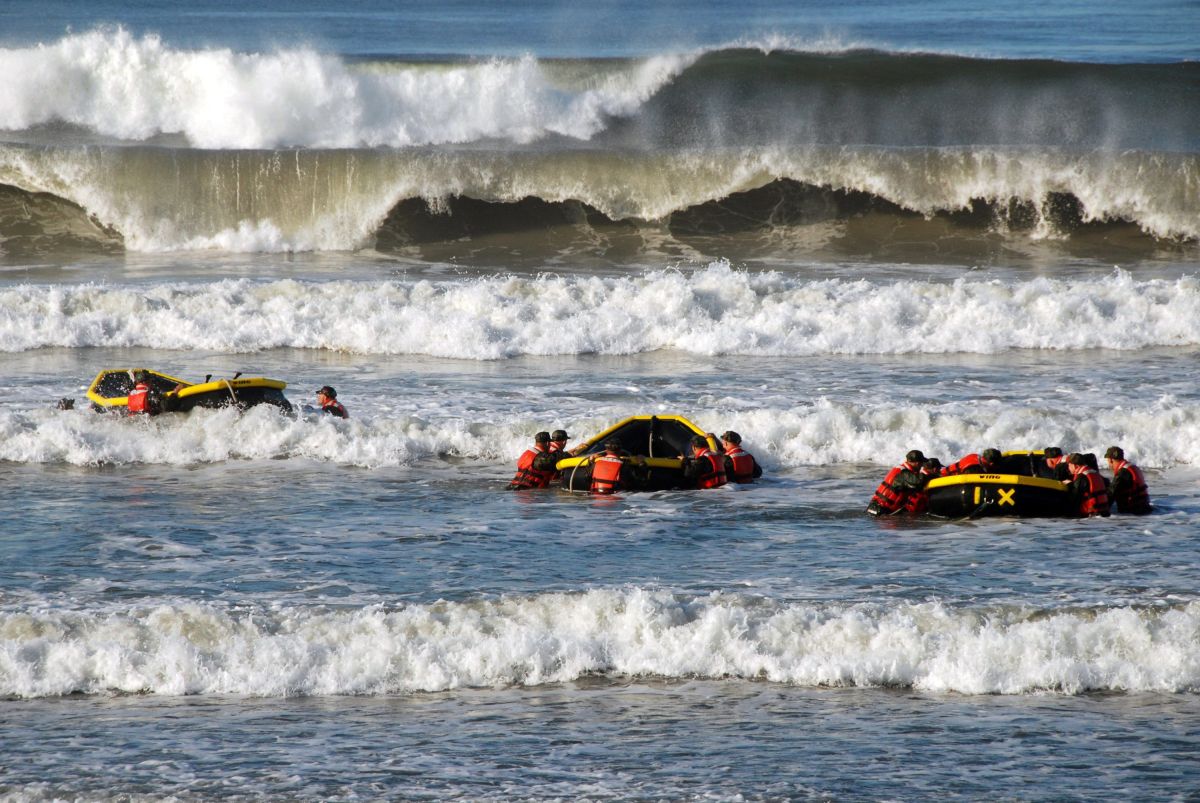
(979, 495)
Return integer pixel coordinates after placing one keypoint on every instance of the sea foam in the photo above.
(175, 648)
(712, 311)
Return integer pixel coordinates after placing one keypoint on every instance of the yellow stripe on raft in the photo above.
(994, 479)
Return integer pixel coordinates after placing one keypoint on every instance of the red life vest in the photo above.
(139, 399)
(1094, 501)
(1137, 498)
(714, 472)
(527, 476)
(334, 408)
(888, 499)
(606, 474)
(965, 466)
(742, 463)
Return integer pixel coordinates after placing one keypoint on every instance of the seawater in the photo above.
(783, 221)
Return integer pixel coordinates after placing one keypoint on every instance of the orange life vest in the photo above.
(742, 463)
(888, 499)
(1095, 499)
(1137, 498)
(527, 476)
(964, 466)
(139, 399)
(606, 474)
(714, 474)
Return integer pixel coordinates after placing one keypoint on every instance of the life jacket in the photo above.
(1137, 498)
(887, 498)
(742, 463)
(334, 408)
(1094, 501)
(139, 399)
(971, 464)
(606, 474)
(714, 474)
(527, 476)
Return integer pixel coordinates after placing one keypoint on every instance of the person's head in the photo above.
(1089, 460)
(990, 457)
(66, 404)
(699, 443)
(139, 377)
(326, 393)
(559, 436)
(542, 438)
(1114, 454)
(932, 466)
(612, 446)
(1051, 451)
(914, 456)
(731, 438)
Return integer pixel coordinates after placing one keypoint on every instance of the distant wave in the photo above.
(1162, 432)
(117, 85)
(174, 648)
(713, 311)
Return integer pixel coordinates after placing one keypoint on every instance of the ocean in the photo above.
(843, 230)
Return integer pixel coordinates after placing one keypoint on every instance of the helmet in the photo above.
(1052, 451)
(541, 437)
(699, 442)
(914, 456)
(612, 445)
(1115, 452)
(731, 436)
(1076, 459)
(559, 435)
(991, 455)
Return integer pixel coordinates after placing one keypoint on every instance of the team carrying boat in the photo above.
(662, 440)
(111, 388)
(1015, 490)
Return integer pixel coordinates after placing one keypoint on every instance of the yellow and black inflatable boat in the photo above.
(1016, 492)
(110, 391)
(662, 440)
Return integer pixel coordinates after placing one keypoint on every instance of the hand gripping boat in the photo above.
(662, 439)
(1017, 491)
(110, 391)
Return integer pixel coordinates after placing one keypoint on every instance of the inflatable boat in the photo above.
(110, 391)
(662, 440)
(1016, 492)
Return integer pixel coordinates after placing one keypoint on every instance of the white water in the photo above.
(713, 311)
(131, 88)
(196, 648)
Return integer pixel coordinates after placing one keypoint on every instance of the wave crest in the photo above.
(190, 648)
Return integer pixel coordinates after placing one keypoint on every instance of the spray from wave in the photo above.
(196, 648)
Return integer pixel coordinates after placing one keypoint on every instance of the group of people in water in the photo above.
(613, 469)
(903, 490)
(143, 399)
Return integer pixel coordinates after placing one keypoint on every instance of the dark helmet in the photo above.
(1115, 453)
(541, 437)
(559, 435)
(1052, 451)
(1089, 459)
(991, 456)
(1076, 459)
(327, 391)
(612, 445)
(699, 442)
(914, 456)
(139, 376)
(731, 437)
(932, 464)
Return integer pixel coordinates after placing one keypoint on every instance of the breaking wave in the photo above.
(713, 311)
(198, 648)
(1162, 433)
